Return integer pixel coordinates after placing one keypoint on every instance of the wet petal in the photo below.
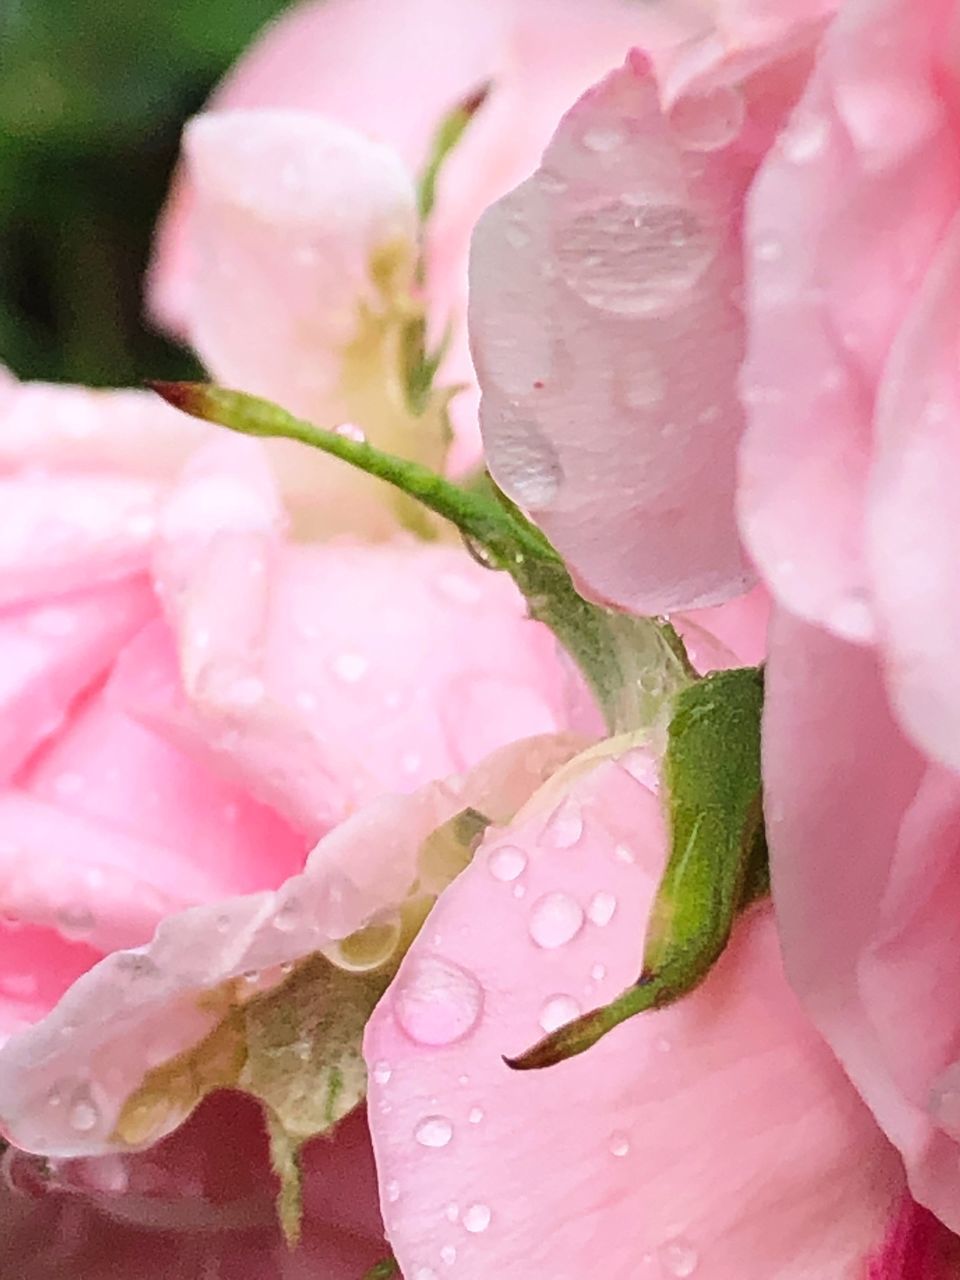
(479, 1166)
(844, 221)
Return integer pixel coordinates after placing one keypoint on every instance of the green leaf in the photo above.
(304, 1061)
(633, 665)
(716, 864)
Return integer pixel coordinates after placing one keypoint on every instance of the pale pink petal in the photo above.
(607, 338)
(291, 210)
(864, 858)
(64, 1081)
(52, 652)
(844, 221)
(322, 675)
(76, 429)
(728, 635)
(109, 772)
(392, 72)
(36, 967)
(68, 531)
(914, 550)
(717, 1137)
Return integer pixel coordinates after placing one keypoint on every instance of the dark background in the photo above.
(93, 94)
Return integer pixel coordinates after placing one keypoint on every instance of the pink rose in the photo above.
(741, 263)
(192, 701)
(716, 1138)
(393, 72)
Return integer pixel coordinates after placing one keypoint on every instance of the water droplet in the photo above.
(436, 1002)
(452, 1212)
(619, 1144)
(476, 1218)
(75, 921)
(286, 916)
(516, 235)
(528, 466)
(84, 1114)
(350, 667)
(476, 1115)
(805, 138)
(603, 139)
(768, 248)
(382, 1071)
(640, 383)
(448, 1255)
(708, 121)
(392, 1190)
(424, 1273)
(555, 920)
(350, 431)
(623, 854)
(558, 1011)
(507, 863)
(635, 256)
(434, 1131)
(598, 972)
(565, 826)
(679, 1259)
(519, 890)
(306, 700)
(601, 909)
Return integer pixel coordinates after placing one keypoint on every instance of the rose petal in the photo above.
(597, 287)
(63, 1082)
(863, 855)
(844, 220)
(52, 652)
(617, 1162)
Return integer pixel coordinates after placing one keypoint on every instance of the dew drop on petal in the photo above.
(452, 1212)
(805, 138)
(555, 920)
(476, 1218)
(558, 1011)
(424, 1273)
(623, 854)
(382, 1071)
(436, 1002)
(601, 909)
(392, 1191)
(678, 1258)
(528, 466)
(619, 1144)
(635, 255)
(507, 863)
(565, 827)
(708, 121)
(448, 1254)
(434, 1132)
(598, 972)
(84, 1114)
(603, 139)
(350, 667)
(519, 890)
(476, 1115)
(75, 921)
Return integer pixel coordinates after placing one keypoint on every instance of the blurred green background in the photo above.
(93, 94)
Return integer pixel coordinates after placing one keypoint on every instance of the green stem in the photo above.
(633, 665)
